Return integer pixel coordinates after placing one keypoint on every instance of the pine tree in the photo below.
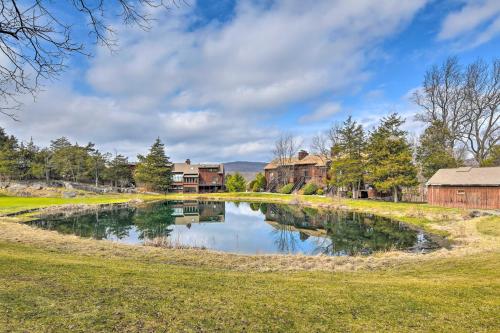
(432, 151)
(154, 170)
(389, 157)
(347, 167)
(60, 158)
(119, 171)
(9, 157)
(95, 163)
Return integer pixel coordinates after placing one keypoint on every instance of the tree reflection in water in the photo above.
(336, 232)
(269, 228)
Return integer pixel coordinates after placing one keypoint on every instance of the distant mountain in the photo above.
(247, 169)
(243, 166)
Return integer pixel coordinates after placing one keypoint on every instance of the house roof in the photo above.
(185, 168)
(206, 166)
(193, 169)
(466, 176)
(308, 160)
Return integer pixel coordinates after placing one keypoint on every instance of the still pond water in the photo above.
(246, 228)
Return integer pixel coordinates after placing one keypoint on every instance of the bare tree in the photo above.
(481, 128)
(285, 148)
(322, 143)
(36, 38)
(442, 97)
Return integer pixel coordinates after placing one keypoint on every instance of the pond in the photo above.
(245, 228)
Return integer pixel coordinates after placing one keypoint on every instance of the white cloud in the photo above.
(475, 23)
(208, 91)
(325, 111)
(261, 59)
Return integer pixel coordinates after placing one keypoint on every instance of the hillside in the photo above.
(243, 166)
(246, 169)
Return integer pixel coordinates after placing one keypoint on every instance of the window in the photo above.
(177, 177)
(460, 192)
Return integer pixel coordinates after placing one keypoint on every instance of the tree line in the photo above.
(382, 157)
(62, 160)
(460, 111)
(67, 161)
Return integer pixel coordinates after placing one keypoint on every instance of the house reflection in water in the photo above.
(189, 212)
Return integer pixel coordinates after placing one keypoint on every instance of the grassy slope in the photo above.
(42, 289)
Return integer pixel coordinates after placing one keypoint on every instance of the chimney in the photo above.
(302, 154)
(188, 161)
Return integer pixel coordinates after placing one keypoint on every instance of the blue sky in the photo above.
(220, 80)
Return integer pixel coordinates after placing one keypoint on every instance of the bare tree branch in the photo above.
(36, 39)
(442, 97)
(322, 143)
(481, 128)
(285, 148)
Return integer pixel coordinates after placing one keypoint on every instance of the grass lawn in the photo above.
(10, 204)
(46, 291)
(51, 282)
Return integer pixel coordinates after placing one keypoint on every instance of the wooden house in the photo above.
(298, 170)
(197, 178)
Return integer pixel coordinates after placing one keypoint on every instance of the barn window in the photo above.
(460, 192)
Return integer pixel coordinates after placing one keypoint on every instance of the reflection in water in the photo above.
(244, 228)
(339, 232)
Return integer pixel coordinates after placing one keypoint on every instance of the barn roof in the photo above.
(466, 176)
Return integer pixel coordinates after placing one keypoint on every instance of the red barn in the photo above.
(465, 187)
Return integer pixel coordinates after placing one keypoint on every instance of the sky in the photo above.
(219, 81)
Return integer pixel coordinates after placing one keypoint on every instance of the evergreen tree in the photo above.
(433, 152)
(41, 166)
(389, 157)
(9, 157)
(60, 161)
(493, 158)
(259, 183)
(70, 162)
(154, 170)
(119, 171)
(27, 160)
(96, 163)
(235, 183)
(347, 167)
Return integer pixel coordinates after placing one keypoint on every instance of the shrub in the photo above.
(287, 189)
(259, 183)
(235, 183)
(310, 188)
(320, 191)
(251, 186)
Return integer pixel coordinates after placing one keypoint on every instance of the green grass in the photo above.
(46, 291)
(97, 288)
(10, 204)
(489, 226)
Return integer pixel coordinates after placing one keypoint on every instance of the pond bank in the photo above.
(463, 232)
(54, 282)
